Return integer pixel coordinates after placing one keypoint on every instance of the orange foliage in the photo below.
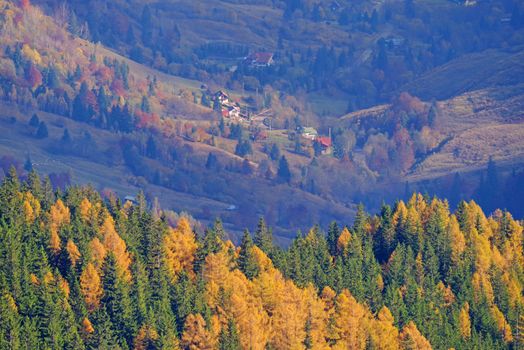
(196, 336)
(180, 247)
(343, 239)
(87, 327)
(91, 287)
(73, 252)
(412, 339)
(351, 321)
(146, 335)
(115, 244)
(31, 207)
(85, 207)
(98, 252)
(58, 216)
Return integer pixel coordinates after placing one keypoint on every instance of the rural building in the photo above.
(309, 133)
(324, 143)
(260, 59)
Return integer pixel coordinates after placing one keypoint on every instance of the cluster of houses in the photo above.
(229, 108)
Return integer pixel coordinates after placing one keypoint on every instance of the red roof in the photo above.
(261, 57)
(324, 141)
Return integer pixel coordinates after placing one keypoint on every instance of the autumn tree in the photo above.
(91, 287)
(180, 247)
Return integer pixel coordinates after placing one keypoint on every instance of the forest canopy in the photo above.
(80, 271)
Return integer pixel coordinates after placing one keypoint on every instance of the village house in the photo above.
(221, 97)
(231, 111)
(260, 59)
(324, 143)
(308, 133)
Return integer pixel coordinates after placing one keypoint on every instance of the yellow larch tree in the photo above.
(351, 322)
(73, 252)
(98, 252)
(91, 287)
(383, 333)
(289, 318)
(31, 207)
(318, 318)
(146, 335)
(465, 322)
(85, 209)
(457, 240)
(115, 244)
(179, 249)
(59, 215)
(502, 325)
(343, 239)
(87, 326)
(196, 336)
(412, 339)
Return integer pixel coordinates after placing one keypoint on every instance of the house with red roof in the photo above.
(260, 59)
(324, 143)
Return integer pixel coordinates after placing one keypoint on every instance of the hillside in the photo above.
(84, 273)
(172, 138)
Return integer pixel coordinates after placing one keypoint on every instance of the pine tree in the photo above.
(42, 131)
(116, 301)
(283, 173)
(246, 262)
(229, 338)
(263, 237)
(332, 238)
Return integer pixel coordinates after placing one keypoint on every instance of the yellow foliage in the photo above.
(447, 294)
(196, 336)
(482, 286)
(351, 322)
(90, 287)
(412, 339)
(98, 252)
(115, 244)
(383, 333)
(514, 289)
(48, 277)
(54, 241)
(85, 208)
(483, 252)
(457, 240)
(262, 260)
(343, 239)
(400, 214)
(64, 286)
(11, 303)
(73, 252)
(59, 215)
(502, 325)
(465, 322)
(31, 54)
(179, 249)
(29, 213)
(145, 335)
